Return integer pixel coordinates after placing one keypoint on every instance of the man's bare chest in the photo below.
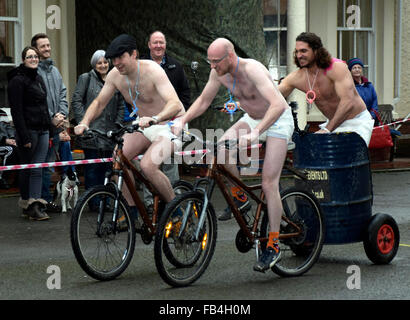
(142, 93)
(242, 90)
(321, 88)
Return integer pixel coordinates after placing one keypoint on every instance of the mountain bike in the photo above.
(187, 230)
(103, 238)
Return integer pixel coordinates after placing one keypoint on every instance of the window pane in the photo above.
(283, 13)
(270, 13)
(366, 13)
(8, 8)
(271, 39)
(6, 42)
(283, 48)
(362, 46)
(347, 45)
(340, 9)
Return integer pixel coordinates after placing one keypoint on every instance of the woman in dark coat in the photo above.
(28, 103)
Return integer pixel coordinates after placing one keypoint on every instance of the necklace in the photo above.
(231, 106)
(137, 93)
(311, 95)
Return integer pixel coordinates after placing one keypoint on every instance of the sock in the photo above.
(273, 240)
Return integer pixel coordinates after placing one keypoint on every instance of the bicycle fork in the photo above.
(202, 216)
(103, 204)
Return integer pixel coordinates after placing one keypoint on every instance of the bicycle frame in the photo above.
(215, 174)
(120, 162)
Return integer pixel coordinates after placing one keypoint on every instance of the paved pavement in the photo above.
(28, 249)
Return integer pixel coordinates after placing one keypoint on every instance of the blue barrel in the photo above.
(338, 171)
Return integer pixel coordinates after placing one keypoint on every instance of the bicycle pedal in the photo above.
(146, 236)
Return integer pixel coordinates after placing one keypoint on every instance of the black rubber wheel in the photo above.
(381, 242)
(302, 232)
(102, 248)
(182, 253)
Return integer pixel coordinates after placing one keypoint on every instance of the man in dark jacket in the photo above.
(157, 45)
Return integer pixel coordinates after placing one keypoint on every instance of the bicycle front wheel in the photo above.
(302, 232)
(185, 243)
(182, 186)
(103, 247)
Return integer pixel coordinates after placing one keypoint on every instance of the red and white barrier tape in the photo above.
(92, 161)
(53, 164)
(191, 153)
(396, 122)
(80, 162)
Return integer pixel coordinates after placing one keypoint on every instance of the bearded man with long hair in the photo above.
(328, 83)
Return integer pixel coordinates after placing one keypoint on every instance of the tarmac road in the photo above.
(29, 248)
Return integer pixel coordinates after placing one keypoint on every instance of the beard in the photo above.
(308, 65)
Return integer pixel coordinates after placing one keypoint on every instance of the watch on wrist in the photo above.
(156, 119)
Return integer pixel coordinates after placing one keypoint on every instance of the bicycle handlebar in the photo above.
(112, 135)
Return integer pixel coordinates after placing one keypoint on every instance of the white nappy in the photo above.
(153, 132)
(362, 124)
(283, 128)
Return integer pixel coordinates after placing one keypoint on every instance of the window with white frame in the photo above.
(10, 35)
(275, 30)
(355, 32)
(9, 30)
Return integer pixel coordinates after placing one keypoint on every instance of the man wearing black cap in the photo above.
(328, 83)
(145, 86)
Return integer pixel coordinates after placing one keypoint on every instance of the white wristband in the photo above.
(327, 130)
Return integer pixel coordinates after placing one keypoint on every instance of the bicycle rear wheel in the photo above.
(102, 247)
(302, 232)
(182, 253)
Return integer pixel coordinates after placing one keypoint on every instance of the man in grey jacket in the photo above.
(57, 107)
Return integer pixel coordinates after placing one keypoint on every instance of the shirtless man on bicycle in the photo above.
(268, 117)
(145, 86)
(328, 82)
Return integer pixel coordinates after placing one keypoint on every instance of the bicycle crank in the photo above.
(242, 242)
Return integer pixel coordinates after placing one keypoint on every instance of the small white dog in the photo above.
(67, 189)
